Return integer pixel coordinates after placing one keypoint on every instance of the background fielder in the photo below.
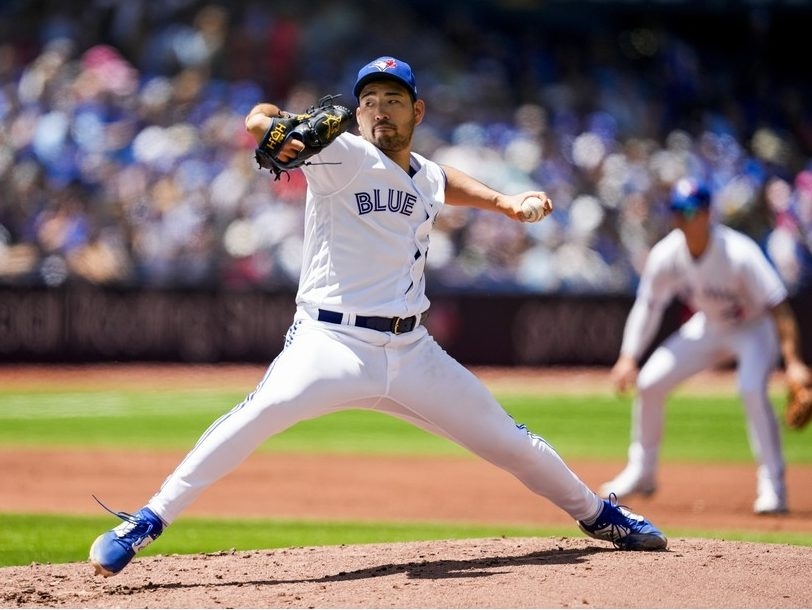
(741, 313)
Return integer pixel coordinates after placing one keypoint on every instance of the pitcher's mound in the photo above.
(488, 573)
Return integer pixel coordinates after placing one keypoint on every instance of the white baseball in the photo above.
(533, 209)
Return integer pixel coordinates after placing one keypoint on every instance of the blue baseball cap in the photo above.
(689, 196)
(386, 67)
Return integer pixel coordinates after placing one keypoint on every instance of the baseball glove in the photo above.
(798, 411)
(318, 127)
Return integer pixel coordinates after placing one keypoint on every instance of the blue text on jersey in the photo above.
(396, 201)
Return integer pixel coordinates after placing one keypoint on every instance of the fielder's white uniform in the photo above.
(366, 239)
(730, 288)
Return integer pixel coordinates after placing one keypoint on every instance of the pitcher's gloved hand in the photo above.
(318, 127)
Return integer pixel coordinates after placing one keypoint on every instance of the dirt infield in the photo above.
(492, 573)
(543, 572)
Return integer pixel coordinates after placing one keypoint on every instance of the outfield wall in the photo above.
(84, 324)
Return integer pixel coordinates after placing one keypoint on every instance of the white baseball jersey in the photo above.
(732, 283)
(367, 225)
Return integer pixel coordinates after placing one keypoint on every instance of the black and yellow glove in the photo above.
(317, 128)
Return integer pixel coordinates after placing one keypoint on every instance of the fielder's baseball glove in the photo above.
(798, 411)
(319, 126)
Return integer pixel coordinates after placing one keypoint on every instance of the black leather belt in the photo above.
(385, 325)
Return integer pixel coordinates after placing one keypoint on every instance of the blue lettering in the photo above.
(379, 207)
(393, 201)
(395, 198)
(363, 202)
(408, 204)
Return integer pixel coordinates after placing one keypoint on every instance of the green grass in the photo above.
(57, 539)
(26, 539)
(595, 427)
(587, 427)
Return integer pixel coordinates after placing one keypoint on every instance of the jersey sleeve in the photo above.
(655, 291)
(765, 287)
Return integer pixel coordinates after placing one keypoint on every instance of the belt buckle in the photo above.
(396, 325)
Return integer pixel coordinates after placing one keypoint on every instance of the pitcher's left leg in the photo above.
(431, 389)
(441, 391)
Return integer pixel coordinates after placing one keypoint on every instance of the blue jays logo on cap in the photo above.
(386, 67)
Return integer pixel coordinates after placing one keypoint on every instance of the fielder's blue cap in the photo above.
(386, 67)
(689, 196)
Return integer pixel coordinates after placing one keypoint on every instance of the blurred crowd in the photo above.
(124, 162)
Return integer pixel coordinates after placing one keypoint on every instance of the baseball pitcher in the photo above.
(357, 339)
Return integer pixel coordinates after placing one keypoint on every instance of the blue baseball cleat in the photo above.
(624, 529)
(113, 550)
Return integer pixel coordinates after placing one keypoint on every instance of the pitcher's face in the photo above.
(387, 115)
